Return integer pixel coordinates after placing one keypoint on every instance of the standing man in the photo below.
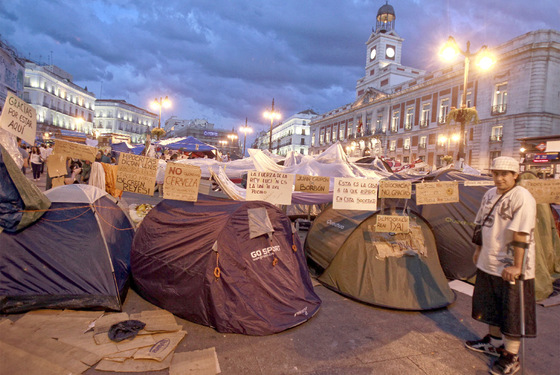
(508, 213)
(24, 154)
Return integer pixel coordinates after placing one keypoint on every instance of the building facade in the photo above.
(293, 134)
(122, 121)
(12, 71)
(405, 120)
(60, 104)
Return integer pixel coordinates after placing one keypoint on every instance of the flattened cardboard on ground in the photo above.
(165, 344)
(104, 323)
(134, 365)
(46, 348)
(136, 342)
(19, 362)
(198, 362)
(57, 323)
(121, 356)
(86, 342)
(157, 321)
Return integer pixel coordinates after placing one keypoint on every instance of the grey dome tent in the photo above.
(400, 271)
(76, 256)
(236, 266)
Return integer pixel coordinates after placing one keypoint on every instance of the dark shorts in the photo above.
(496, 302)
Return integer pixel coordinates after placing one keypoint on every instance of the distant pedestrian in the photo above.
(36, 162)
(43, 151)
(24, 155)
(507, 215)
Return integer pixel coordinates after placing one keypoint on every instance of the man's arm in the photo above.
(520, 244)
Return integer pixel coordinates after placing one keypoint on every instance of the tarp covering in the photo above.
(190, 144)
(211, 263)
(77, 257)
(395, 270)
(21, 202)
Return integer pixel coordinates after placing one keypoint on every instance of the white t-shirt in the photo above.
(516, 212)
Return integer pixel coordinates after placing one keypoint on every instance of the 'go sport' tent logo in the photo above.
(264, 253)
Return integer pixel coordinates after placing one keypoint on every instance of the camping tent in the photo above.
(190, 144)
(236, 266)
(395, 270)
(77, 256)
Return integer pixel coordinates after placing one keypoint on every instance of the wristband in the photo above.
(523, 245)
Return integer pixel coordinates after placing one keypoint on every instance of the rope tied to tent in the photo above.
(275, 258)
(217, 271)
(294, 247)
(87, 209)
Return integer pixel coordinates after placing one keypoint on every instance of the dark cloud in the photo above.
(225, 60)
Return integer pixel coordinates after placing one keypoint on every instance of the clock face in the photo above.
(373, 53)
(390, 52)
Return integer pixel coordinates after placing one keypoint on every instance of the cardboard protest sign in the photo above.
(437, 192)
(392, 224)
(395, 189)
(19, 118)
(74, 150)
(270, 187)
(544, 191)
(480, 183)
(136, 174)
(181, 182)
(312, 184)
(56, 165)
(355, 194)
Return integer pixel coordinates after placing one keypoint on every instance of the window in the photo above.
(313, 140)
(328, 135)
(443, 110)
(500, 99)
(379, 124)
(426, 109)
(409, 118)
(406, 159)
(395, 121)
(302, 151)
(393, 146)
(406, 145)
(341, 132)
(494, 155)
(334, 132)
(422, 143)
(497, 132)
(368, 124)
(303, 141)
(303, 131)
(469, 99)
(322, 136)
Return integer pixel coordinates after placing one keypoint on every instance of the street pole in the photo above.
(244, 137)
(461, 152)
(271, 121)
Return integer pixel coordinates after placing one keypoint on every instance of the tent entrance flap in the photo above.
(259, 222)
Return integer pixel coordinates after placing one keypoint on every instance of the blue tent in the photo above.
(122, 147)
(190, 144)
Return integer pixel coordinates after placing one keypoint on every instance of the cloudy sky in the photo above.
(224, 60)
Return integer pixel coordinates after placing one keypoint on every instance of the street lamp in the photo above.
(484, 60)
(245, 129)
(271, 115)
(158, 104)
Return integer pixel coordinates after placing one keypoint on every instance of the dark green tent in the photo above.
(395, 270)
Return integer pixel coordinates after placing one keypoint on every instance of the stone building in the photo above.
(60, 103)
(293, 134)
(400, 113)
(122, 121)
(12, 71)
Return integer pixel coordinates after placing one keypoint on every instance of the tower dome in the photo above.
(385, 19)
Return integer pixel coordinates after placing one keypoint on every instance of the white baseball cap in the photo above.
(505, 163)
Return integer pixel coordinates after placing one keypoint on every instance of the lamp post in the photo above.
(483, 60)
(158, 104)
(245, 129)
(272, 114)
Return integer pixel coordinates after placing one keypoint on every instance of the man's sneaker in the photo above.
(484, 346)
(507, 364)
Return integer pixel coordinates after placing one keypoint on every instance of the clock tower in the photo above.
(383, 55)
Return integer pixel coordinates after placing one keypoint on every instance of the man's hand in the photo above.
(511, 273)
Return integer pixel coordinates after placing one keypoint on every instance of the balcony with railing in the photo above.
(441, 120)
(496, 138)
(408, 126)
(422, 145)
(499, 109)
(424, 123)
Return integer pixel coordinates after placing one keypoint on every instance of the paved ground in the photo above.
(350, 338)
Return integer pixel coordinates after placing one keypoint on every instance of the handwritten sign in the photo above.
(480, 183)
(395, 189)
(312, 184)
(544, 191)
(437, 192)
(355, 194)
(56, 165)
(270, 187)
(74, 150)
(181, 182)
(392, 224)
(19, 118)
(57, 181)
(136, 174)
